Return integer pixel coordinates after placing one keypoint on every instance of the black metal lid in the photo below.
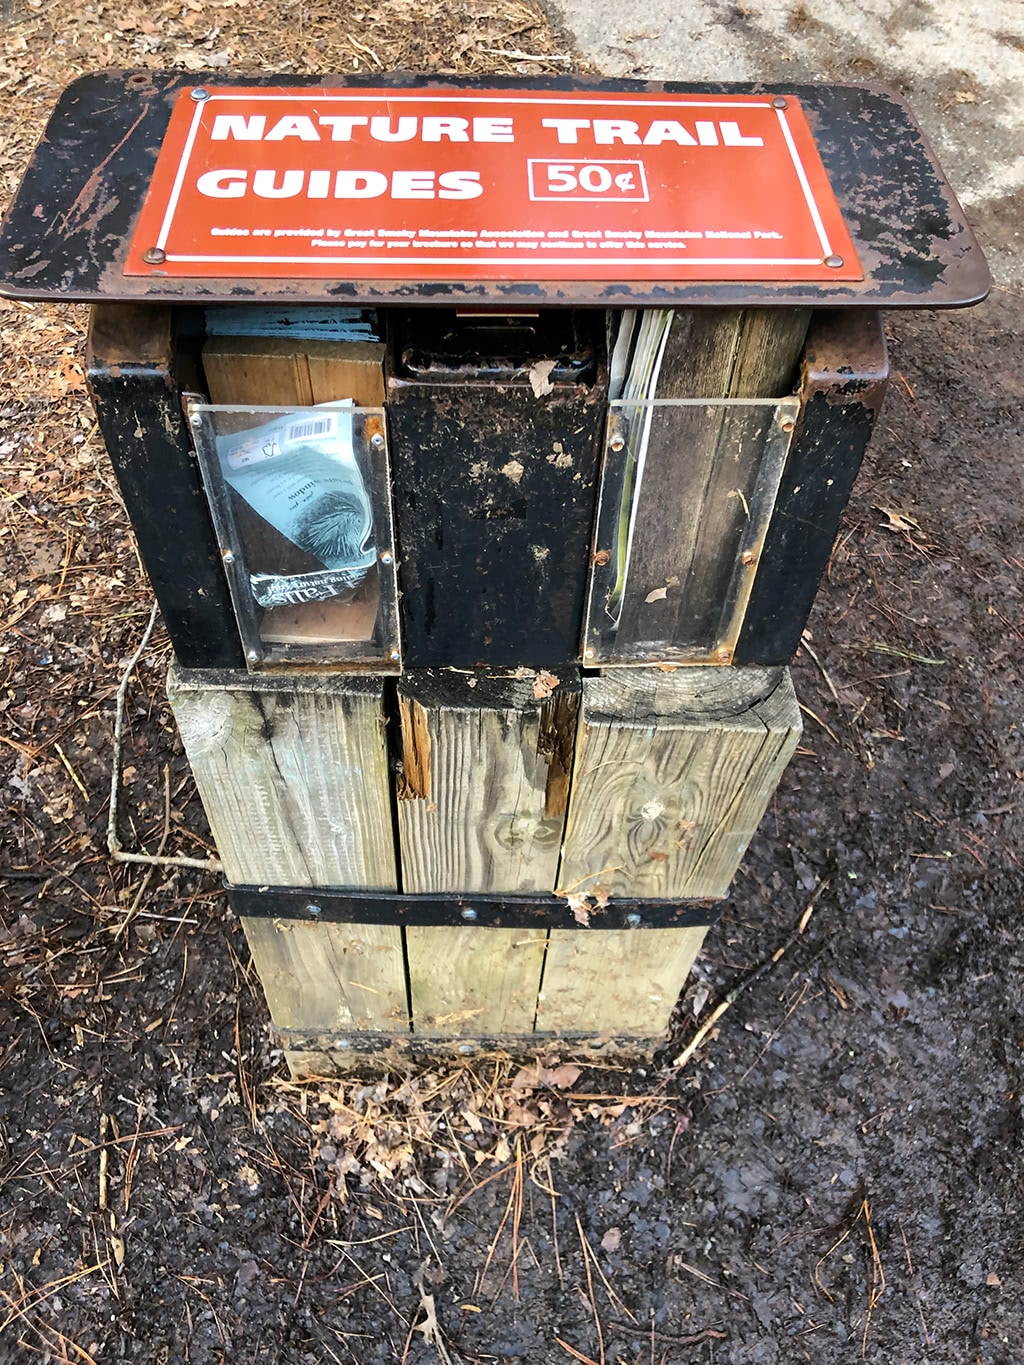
(67, 233)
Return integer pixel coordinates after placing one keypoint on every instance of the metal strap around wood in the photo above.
(322, 905)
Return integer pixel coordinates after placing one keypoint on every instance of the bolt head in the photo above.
(154, 255)
(377, 441)
(394, 655)
(253, 656)
(634, 921)
(724, 655)
(748, 557)
(313, 909)
(196, 420)
(469, 913)
(616, 444)
(387, 558)
(228, 556)
(199, 94)
(834, 262)
(779, 102)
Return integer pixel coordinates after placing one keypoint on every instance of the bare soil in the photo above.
(837, 1173)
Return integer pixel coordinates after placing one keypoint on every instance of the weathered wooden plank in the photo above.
(672, 775)
(482, 802)
(617, 981)
(292, 771)
(330, 977)
(481, 808)
(474, 981)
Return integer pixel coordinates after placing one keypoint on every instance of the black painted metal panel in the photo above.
(326, 905)
(138, 405)
(844, 374)
(494, 487)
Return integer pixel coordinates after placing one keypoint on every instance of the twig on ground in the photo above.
(758, 972)
(648, 1334)
(590, 1292)
(114, 847)
(805, 646)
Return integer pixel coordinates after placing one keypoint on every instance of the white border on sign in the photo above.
(322, 97)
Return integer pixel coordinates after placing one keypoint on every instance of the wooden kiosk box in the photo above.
(484, 444)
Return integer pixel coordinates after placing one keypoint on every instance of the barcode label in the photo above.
(315, 426)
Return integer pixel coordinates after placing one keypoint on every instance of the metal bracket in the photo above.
(333, 906)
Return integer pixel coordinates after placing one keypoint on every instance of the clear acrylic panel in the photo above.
(301, 502)
(687, 492)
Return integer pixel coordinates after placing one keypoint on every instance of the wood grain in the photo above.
(617, 981)
(293, 372)
(665, 799)
(473, 817)
(293, 775)
(481, 822)
(474, 981)
(330, 977)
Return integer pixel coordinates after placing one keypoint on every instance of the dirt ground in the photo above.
(836, 1174)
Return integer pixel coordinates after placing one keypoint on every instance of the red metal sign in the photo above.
(461, 185)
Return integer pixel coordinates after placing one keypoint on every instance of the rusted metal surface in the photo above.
(67, 233)
(323, 905)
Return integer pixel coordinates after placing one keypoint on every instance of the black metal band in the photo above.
(321, 905)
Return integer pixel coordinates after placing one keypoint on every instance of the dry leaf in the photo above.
(897, 521)
(656, 595)
(540, 380)
(580, 907)
(610, 1241)
(544, 684)
(429, 1328)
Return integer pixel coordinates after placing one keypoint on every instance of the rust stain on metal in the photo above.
(846, 361)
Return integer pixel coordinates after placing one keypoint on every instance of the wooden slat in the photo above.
(673, 772)
(293, 372)
(476, 816)
(330, 977)
(474, 981)
(293, 774)
(481, 808)
(617, 981)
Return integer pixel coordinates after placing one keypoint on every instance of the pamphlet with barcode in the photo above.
(299, 473)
